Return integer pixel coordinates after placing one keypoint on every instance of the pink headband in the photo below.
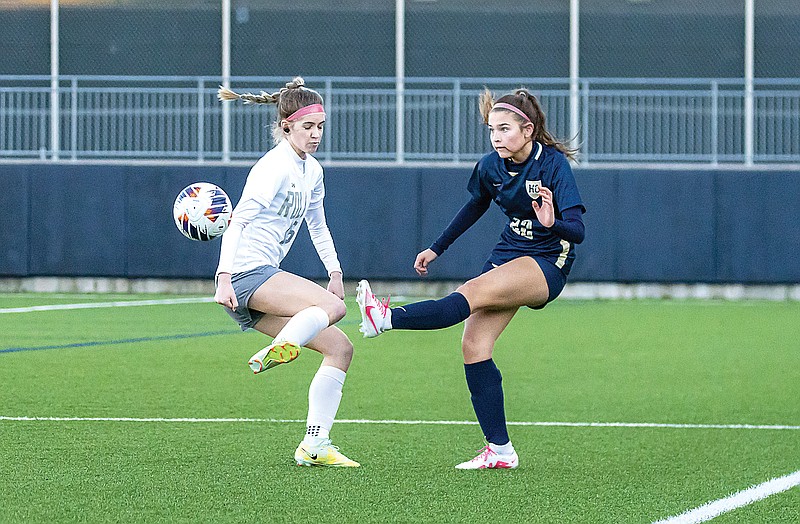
(307, 110)
(503, 105)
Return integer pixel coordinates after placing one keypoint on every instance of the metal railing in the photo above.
(621, 120)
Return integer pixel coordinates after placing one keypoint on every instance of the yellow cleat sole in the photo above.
(281, 353)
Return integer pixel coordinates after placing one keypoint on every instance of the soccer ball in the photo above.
(202, 211)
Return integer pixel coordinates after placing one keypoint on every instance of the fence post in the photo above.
(201, 120)
(73, 117)
(55, 111)
(574, 71)
(456, 120)
(714, 122)
(584, 146)
(749, 28)
(400, 78)
(226, 79)
(328, 98)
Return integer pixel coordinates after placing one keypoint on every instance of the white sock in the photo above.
(505, 449)
(324, 396)
(304, 326)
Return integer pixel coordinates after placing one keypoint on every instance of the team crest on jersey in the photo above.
(533, 188)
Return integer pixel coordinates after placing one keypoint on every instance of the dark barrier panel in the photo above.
(15, 204)
(757, 226)
(715, 226)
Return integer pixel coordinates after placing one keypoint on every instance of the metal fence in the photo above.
(619, 120)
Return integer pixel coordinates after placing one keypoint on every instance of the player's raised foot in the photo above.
(273, 355)
(326, 454)
(489, 459)
(375, 315)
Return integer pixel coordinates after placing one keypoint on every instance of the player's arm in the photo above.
(323, 243)
(245, 211)
(564, 194)
(464, 219)
(570, 226)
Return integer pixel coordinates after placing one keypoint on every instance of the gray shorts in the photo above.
(244, 285)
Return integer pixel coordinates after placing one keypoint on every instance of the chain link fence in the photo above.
(659, 81)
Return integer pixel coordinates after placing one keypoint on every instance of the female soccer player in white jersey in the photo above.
(284, 188)
(529, 178)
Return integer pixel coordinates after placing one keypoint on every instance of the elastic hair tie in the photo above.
(503, 105)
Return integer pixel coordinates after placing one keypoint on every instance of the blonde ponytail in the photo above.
(226, 95)
(288, 99)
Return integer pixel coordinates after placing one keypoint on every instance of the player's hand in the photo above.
(225, 294)
(336, 285)
(545, 212)
(422, 261)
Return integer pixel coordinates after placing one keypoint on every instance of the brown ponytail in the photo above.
(523, 100)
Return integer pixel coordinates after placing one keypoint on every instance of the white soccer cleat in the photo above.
(489, 459)
(375, 315)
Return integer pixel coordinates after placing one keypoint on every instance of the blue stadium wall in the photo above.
(643, 225)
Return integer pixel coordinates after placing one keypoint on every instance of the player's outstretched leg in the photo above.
(493, 457)
(325, 454)
(273, 355)
(376, 317)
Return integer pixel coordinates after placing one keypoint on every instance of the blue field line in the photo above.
(121, 341)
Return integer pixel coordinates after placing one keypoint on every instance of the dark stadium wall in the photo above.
(643, 225)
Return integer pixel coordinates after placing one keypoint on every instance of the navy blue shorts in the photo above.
(556, 279)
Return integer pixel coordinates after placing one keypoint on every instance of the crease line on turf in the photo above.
(120, 341)
(737, 500)
(406, 422)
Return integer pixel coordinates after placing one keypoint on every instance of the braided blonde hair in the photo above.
(288, 99)
(523, 100)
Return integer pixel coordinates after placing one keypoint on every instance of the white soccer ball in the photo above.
(202, 211)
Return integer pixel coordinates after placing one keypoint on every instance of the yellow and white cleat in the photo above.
(325, 454)
(273, 355)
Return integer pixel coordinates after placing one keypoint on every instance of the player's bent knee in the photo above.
(476, 348)
(471, 291)
(336, 310)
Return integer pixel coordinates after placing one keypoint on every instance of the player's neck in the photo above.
(298, 152)
(523, 154)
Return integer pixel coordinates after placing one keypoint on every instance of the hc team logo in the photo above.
(533, 188)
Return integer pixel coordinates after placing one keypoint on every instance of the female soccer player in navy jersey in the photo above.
(284, 188)
(529, 177)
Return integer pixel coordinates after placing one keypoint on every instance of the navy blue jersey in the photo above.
(513, 187)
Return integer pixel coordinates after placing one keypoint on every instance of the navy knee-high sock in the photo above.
(486, 386)
(432, 314)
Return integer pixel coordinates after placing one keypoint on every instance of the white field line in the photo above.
(407, 422)
(743, 498)
(93, 305)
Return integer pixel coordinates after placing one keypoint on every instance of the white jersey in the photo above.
(281, 191)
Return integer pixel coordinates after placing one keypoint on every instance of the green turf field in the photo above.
(677, 362)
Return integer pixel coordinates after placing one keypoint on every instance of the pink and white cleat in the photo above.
(376, 317)
(490, 459)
